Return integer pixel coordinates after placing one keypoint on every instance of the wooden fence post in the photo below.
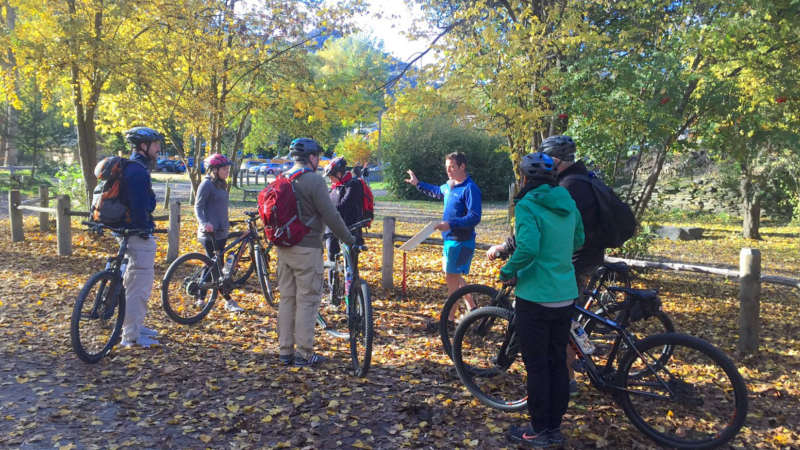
(15, 216)
(44, 202)
(749, 303)
(387, 272)
(166, 195)
(174, 231)
(63, 226)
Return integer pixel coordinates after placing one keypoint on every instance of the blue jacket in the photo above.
(137, 192)
(462, 207)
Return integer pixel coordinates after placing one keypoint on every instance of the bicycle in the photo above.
(695, 398)
(193, 281)
(600, 292)
(349, 304)
(99, 311)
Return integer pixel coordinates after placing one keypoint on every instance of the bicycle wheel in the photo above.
(189, 288)
(697, 399)
(97, 317)
(603, 337)
(360, 326)
(487, 359)
(265, 277)
(246, 265)
(457, 306)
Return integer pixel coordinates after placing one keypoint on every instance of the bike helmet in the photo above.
(217, 160)
(302, 147)
(559, 146)
(336, 165)
(537, 165)
(137, 135)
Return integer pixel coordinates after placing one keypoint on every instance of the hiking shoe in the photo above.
(232, 306)
(142, 341)
(286, 360)
(432, 326)
(313, 360)
(525, 435)
(573, 388)
(144, 331)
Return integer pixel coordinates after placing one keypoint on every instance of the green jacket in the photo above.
(548, 229)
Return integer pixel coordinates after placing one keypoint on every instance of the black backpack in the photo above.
(616, 222)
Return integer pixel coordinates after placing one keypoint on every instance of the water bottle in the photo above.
(581, 338)
(228, 264)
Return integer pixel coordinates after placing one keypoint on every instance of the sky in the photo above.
(396, 18)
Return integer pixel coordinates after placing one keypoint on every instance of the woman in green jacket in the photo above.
(548, 228)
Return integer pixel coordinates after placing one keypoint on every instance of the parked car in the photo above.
(249, 165)
(170, 165)
(270, 168)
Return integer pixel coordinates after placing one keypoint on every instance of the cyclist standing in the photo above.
(347, 194)
(136, 192)
(211, 210)
(300, 266)
(549, 228)
(462, 213)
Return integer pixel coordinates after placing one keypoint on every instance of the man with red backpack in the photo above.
(300, 266)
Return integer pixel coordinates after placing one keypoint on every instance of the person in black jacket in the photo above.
(589, 256)
(347, 194)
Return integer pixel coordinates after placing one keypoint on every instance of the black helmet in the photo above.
(337, 165)
(302, 147)
(537, 165)
(137, 135)
(559, 146)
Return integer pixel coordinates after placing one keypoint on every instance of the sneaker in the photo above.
(142, 341)
(432, 326)
(314, 360)
(232, 306)
(526, 436)
(286, 360)
(555, 437)
(144, 331)
(573, 388)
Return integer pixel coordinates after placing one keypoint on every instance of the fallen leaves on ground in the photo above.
(218, 384)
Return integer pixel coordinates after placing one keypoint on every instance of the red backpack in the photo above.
(368, 202)
(279, 208)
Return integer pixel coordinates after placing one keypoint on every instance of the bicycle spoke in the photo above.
(97, 317)
(189, 289)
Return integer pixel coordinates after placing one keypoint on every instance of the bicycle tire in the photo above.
(480, 294)
(245, 266)
(98, 317)
(262, 269)
(184, 292)
(708, 369)
(361, 328)
(499, 363)
(333, 303)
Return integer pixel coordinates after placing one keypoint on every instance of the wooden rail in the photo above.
(63, 214)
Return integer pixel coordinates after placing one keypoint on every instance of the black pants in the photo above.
(543, 334)
(332, 244)
(208, 244)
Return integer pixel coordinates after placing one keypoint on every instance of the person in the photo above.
(461, 214)
(300, 266)
(548, 227)
(347, 194)
(211, 211)
(136, 192)
(590, 255)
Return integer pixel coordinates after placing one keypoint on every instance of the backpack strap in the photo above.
(578, 176)
(292, 178)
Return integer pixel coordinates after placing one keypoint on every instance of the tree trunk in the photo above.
(650, 184)
(8, 118)
(751, 207)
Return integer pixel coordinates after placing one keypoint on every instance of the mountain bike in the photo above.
(601, 297)
(193, 281)
(348, 305)
(695, 398)
(99, 310)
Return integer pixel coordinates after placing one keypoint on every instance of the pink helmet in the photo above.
(217, 160)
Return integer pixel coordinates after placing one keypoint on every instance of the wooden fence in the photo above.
(749, 275)
(63, 214)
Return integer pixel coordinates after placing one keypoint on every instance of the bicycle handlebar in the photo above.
(98, 228)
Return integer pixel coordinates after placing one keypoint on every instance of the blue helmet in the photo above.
(537, 165)
(137, 135)
(302, 147)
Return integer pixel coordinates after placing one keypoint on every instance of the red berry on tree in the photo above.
(562, 116)
(664, 100)
(780, 99)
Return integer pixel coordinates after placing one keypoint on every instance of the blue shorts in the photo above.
(457, 256)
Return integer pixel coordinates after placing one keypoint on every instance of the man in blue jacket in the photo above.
(137, 193)
(462, 212)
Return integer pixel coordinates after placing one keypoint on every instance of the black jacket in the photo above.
(349, 199)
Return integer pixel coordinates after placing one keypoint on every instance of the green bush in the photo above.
(69, 181)
(422, 146)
